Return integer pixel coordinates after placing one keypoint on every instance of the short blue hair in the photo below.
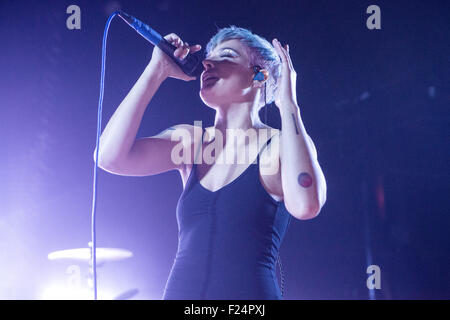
(261, 53)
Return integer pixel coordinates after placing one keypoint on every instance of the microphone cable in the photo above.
(99, 127)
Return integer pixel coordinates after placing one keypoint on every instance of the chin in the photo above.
(209, 98)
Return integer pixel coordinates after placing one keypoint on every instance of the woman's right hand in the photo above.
(166, 65)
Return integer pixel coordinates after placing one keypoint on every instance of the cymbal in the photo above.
(84, 254)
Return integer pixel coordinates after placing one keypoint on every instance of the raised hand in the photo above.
(286, 91)
(166, 65)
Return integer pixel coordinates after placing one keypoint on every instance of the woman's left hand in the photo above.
(286, 91)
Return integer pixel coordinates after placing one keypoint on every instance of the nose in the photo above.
(208, 64)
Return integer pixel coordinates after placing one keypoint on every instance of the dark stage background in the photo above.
(375, 102)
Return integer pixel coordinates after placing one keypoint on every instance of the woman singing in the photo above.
(232, 215)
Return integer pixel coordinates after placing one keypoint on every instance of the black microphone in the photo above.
(191, 65)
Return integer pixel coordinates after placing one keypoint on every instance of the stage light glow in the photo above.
(62, 292)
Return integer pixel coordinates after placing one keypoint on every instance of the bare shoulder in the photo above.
(189, 139)
(175, 129)
(274, 136)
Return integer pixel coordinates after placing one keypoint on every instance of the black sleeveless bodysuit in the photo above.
(228, 241)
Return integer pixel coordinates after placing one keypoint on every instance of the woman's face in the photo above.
(229, 65)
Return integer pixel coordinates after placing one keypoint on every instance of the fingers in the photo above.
(183, 48)
(277, 47)
(195, 48)
(182, 51)
(284, 53)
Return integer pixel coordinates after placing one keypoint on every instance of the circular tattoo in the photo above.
(304, 180)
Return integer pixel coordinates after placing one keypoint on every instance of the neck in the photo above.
(242, 115)
(234, 116)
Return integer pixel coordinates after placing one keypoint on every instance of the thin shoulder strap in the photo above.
(265, 146)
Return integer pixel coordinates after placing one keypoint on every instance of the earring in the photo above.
(260, 74)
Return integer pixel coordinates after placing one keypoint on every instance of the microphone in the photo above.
(191, 65)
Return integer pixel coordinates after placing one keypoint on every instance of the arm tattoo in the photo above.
(295, 124)
(304, 179)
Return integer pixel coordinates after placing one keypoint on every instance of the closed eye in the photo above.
(227, 53)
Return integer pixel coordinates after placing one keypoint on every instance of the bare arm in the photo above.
(119, 134)
(119, 151)
(304, 185)
(157, 154)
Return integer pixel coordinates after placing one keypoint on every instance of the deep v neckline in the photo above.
(235, 180)
(226, 185)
